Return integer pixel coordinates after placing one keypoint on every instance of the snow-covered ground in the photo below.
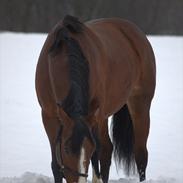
(23, 143)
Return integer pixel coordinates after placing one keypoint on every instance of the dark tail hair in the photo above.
(123, 139)
(77, 101)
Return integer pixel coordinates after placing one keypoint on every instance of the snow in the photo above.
(23, 143)
(38, 178)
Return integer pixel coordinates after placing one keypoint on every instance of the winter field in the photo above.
(24, 147)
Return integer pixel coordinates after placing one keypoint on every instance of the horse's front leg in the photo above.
(106, 149)
(102, 154)
(51, 125)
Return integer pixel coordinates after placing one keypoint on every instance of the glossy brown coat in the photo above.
(121, 71)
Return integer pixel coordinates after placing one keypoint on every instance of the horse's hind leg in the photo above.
(106, 149)
(139, 109)
(51, 125)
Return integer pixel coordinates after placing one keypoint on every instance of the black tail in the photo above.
(123, 139)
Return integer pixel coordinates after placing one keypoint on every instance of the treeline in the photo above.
(152, 16)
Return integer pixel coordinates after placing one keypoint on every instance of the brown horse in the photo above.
(85, 73)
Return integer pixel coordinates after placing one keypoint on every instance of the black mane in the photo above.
(76, 103)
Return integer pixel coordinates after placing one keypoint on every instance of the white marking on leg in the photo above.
(82, 167)
(95, 179)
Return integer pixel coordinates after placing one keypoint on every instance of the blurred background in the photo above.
(24, 24)
(152, 16)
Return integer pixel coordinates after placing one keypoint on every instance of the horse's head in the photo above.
(75, 146)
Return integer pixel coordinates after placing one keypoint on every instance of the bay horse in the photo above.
(87, 72)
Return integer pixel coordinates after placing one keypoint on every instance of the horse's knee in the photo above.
(141, 125)
(106, 146)
(105, 159)
(141, 154)
(106, 151)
